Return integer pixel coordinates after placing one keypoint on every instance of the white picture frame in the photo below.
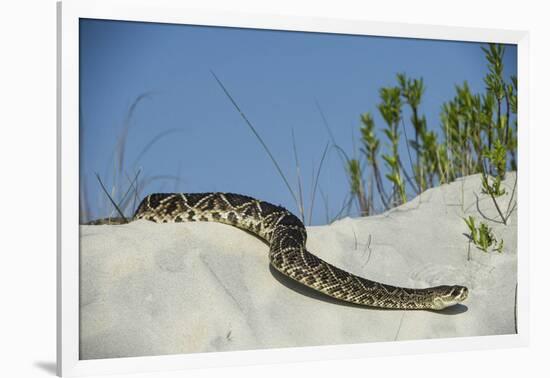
(172, 11)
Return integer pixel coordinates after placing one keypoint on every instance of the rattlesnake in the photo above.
(286, 236)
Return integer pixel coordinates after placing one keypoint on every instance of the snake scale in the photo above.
(286, 236)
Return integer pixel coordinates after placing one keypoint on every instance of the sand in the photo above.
(153, 289)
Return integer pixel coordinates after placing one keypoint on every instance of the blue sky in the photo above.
(276, 77)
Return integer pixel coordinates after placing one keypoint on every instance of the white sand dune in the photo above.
(151, 289)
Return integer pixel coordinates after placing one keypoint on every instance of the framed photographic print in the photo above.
(247, 188)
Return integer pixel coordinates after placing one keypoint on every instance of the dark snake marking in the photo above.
(286, 236)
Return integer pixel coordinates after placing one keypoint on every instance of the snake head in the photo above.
(449, 296)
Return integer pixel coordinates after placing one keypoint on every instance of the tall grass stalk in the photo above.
(297, 197)
(113, 202)
(316, 183)
(118, 197)
(298, 179)
(120, 149)
(258, 137)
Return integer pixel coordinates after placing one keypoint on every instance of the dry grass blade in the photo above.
(299, 178)
(154, 140)
(120, 213)
(325, 123)
(121, 145)
(348, 200)
(253, 129)
(316, 182)
(133, 186)
(83, 203)
(325, 202)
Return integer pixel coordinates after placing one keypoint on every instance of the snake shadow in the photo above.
(309, 292)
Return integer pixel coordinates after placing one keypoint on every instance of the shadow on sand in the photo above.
(309, 292)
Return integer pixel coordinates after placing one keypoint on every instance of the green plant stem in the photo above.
(379, 185)
(418, 188)
(510, 209)
(491, 194)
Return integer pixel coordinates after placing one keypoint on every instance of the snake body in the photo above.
(286, 236)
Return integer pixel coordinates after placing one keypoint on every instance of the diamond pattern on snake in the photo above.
(286, 236)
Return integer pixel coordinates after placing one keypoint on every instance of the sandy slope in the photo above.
(150, 289)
